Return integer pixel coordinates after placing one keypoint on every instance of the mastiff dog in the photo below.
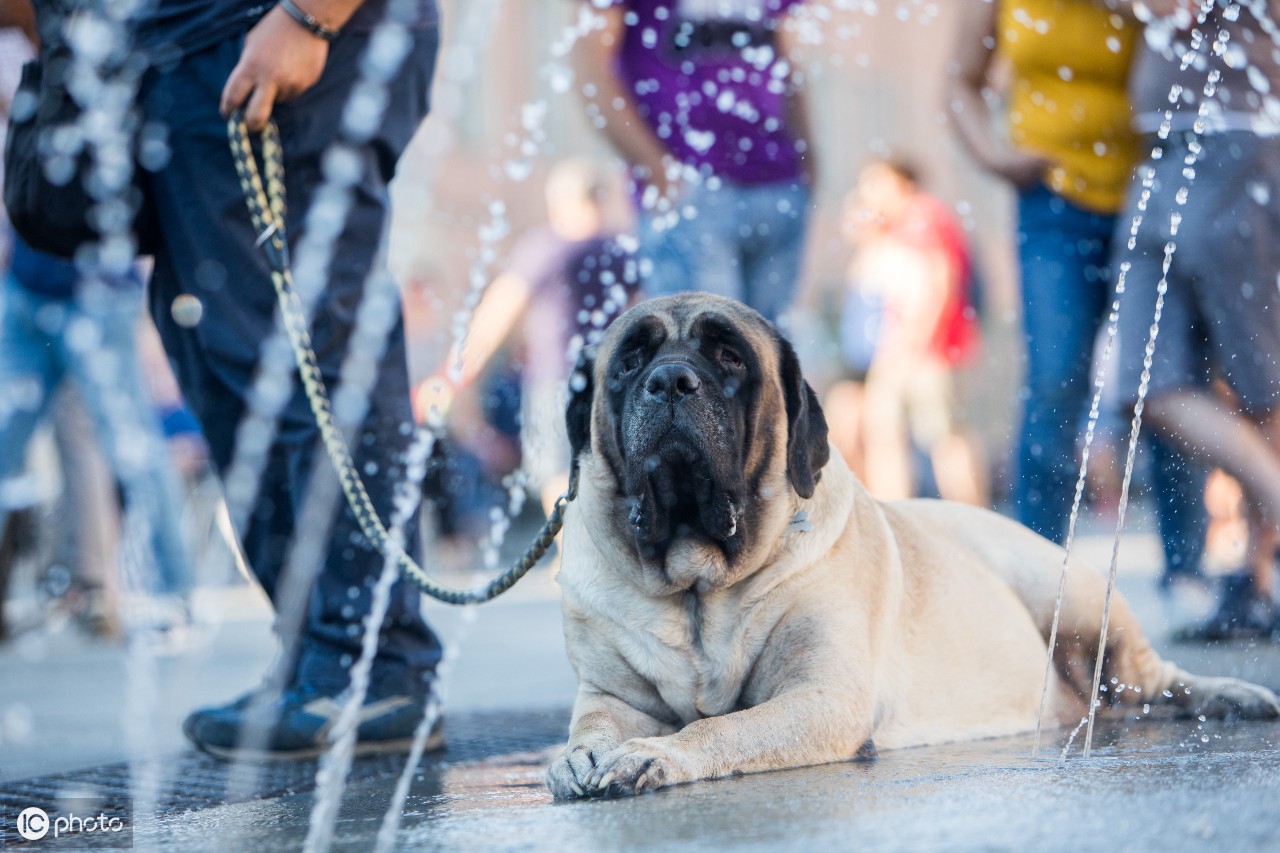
(735, 601)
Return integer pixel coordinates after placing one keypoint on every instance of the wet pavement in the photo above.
(1150, 785)
(1156, 787)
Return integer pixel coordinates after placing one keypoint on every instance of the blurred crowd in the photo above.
(1072, 103)
(1139, 139)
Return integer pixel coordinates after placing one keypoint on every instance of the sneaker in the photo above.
(1243, 614)
(299, 724)
(162, 623)
(1188, 601)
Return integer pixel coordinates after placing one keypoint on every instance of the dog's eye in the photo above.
(730, 359)
(630, 363)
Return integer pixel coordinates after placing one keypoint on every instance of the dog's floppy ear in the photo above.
(577, 415)
(807, 448)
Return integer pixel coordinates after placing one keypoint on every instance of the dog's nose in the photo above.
(671, 382)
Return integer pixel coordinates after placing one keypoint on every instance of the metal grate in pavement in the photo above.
(194, 781)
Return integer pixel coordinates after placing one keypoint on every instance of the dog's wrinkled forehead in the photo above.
(682, 319)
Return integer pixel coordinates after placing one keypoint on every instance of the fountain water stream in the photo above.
(274, 384)
(1099, 383)
(1194, 148)
(103, 78)
(336, 764)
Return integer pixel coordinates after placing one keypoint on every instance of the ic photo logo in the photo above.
(33, 824)
(72, 822)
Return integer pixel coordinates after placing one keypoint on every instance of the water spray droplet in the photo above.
(186, 310)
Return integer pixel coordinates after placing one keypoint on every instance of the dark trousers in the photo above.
(207, 249)
(1063, 253)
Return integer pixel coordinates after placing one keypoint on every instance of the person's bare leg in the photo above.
(1228, 520)
(1268, 423)
(843, 407)
(1260, 558)
(91, 516)
(889, 472)
(960, 469)
(1203, 426)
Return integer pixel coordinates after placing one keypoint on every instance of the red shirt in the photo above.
(928, 227)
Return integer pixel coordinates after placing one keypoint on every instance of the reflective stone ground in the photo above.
(1150, 785)
(1159, 786)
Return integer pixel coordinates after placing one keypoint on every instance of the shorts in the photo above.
(919, 401)
(1221, 311)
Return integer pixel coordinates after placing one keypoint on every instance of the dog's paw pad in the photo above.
(631, 769)
(567, 774)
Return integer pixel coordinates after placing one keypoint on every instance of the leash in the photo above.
(266, 203)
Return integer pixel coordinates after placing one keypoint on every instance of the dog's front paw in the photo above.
(1233, 699)
(567, 775)
(639, 765)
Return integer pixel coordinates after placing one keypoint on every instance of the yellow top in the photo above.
(1069, 62)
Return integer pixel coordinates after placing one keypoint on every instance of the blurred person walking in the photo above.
(53, 329)
(703, 100)
(1068, 151)
(565, 281)
(67, 356)
(912, 257)
(1221, 313)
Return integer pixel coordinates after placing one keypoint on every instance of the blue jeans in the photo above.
(744, 242)
(1064, 253)
(46, 339)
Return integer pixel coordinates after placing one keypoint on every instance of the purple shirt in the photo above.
(713, 88)
(578, 287)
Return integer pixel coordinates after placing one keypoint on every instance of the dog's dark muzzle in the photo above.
(671, 382)
(683, 466)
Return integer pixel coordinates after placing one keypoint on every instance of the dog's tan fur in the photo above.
(892, 624)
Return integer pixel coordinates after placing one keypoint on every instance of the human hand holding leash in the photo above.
(283, 56)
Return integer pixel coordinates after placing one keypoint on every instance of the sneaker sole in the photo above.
(435, 743)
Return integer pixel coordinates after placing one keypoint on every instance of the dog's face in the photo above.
(697, 408)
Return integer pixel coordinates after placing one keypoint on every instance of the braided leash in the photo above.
(267, 210)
